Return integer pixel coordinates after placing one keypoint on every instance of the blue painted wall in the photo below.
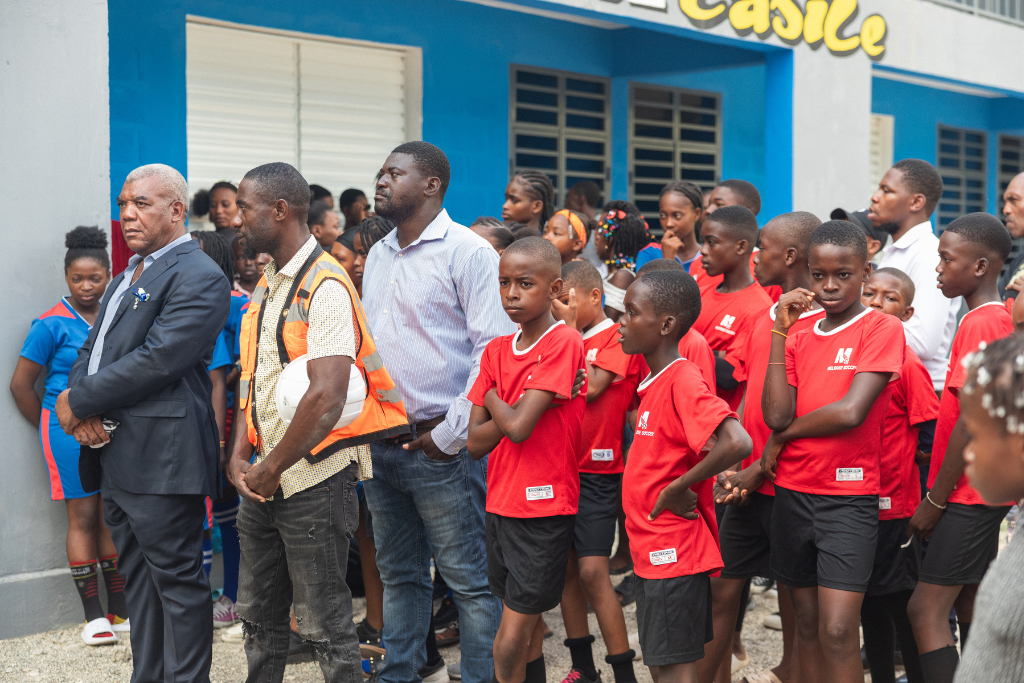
(919, 110)
(467, 50)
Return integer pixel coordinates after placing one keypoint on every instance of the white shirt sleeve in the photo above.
(926, 328)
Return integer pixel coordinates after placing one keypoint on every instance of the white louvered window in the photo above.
(332, 109)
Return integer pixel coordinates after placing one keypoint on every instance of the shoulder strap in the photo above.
(282, 351)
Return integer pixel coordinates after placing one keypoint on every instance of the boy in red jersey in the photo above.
(523, 416)
(745, 532)
(726, 310)
(961, 530)
(909, 428)
(666, 488)
(612, 378)
(825, 396)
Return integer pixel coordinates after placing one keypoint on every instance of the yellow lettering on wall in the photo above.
(694, 10)
(790, 25)
(872, 36)
(839, 14)
(745, 15)
(814, 21)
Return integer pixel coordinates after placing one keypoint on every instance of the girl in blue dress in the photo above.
(52, 344)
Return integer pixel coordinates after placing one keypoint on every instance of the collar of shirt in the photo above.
(435, 230)
(910, 237)
(291, 269)
(149, 260)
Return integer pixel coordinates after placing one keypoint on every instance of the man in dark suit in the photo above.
(144, 368)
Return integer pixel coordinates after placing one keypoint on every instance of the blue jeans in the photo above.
(421, 506)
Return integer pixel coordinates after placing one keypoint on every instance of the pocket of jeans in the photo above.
(351, 501)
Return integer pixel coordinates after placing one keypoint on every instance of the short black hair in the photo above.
(581, 274)
(747, 193)
(675, 293)
(499, 233)
(318, 192)
(349, 197)
(540, 251)
(430, 159)
(660, 264)
(687, 189)
(738, 220)
(796, 228)
(521, 230)
(279, 180)
(589, 190)
(841, 234)
(921, 178)
(985, 230)
(906, 284)
(318, 211)
(621, 205)
(86, 242)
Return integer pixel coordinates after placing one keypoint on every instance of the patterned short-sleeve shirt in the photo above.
(331, 333)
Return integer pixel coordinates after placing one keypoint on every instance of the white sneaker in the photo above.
(224, 614)
(233, 634)
(98, 632)
(773, 621)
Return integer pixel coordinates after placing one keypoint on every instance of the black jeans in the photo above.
(296, 550)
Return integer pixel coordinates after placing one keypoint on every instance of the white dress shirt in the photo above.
(930, 330)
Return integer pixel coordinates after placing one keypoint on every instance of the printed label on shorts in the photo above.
(885, 503)
(850, 474)
(539, 492)
(663, 556)
(602, 454)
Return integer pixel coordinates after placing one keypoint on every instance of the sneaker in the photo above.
(368, 634)
(224, 614)
(447, 614)
(771, 593)
(773, 621)
(118, 624)
(576, 676)
(448, 636)
(455, 671)
(437, 673)
(760, 584)
(298, 649)
(233, 634)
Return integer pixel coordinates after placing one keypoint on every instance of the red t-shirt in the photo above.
(538, 477)
(605, 417)
(750, 358)
(694, 348)
(723, 319)
(678, 414)
(704, 280)
(913, 401)
(821, 365)
(986, 323)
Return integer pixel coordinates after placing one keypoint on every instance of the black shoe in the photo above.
(627, 590)
(298, 649)
(434, 673)
(447, 614)
(367, 634)
(576, 676)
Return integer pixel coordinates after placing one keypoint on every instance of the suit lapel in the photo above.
(149, 275)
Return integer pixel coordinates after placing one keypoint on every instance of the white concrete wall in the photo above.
(54, 175)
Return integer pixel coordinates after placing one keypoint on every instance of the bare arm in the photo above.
(778, 401)
(845, 414)
(219, 398)
(484, 435)
(517, 422)
(23, 387)
(598, 379)
(928, 513)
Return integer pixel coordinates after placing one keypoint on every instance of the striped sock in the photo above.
(87, 583)
(116, 606)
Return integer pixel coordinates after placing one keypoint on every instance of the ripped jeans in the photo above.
(295, 550)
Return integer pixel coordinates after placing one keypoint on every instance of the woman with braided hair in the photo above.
(620, 235)
(529, 199)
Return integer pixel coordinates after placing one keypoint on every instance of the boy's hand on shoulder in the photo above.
(677, 499)
(770, 455)
(792, 305)
(565, 312)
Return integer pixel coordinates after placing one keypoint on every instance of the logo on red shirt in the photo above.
(842, 361)
(726, 324)
(641, 425)
(591, 355)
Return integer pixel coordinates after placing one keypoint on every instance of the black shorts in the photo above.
(598, 514)
(896, 568)
(823, 540)
(745, 535)
(963, 545)
(674, 618)
(526, 559)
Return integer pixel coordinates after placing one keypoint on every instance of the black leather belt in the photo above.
(416, 430)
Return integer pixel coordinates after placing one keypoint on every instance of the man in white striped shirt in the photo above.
(431, 296)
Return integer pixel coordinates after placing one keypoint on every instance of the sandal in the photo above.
(739, 664)
(621, 570)
(98, 632)
(765, 676)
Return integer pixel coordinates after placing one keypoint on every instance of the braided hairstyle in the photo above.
(372, 230)
(625, 231)
(537, 185)
(86, 242)
(997, 371)
(217, 247)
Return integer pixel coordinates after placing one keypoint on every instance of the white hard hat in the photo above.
(294, 381)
